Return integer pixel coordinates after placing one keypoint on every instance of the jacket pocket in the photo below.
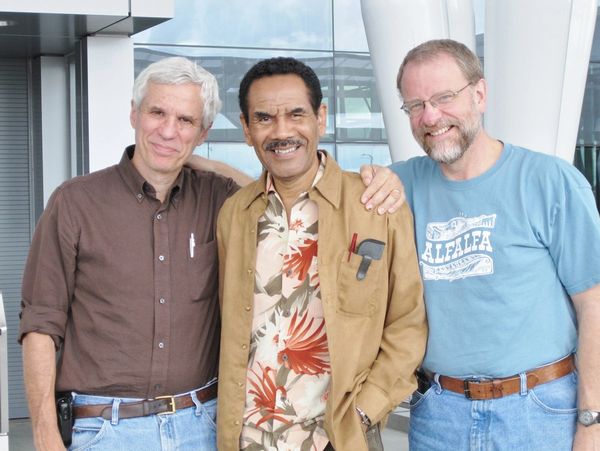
(358, 297)
(203, 276)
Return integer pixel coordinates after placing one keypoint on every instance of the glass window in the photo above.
(240, 156)
(298, 24)
(348, 27)
(351, 156)
(358, 113)
(229, 66)
(589, 125)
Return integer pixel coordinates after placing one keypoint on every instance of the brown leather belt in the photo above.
(160, 405)
(479, 389)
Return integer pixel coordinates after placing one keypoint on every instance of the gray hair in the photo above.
(466, 60)
(178, 70)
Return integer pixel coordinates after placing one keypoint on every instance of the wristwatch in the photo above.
(588, 417)
(364, 418)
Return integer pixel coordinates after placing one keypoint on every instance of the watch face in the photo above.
(587, 417)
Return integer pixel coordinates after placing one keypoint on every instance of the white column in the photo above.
(393, 27)
(536, 60)
(55, 123)
(110, 79)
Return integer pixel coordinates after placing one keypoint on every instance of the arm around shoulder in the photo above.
(204, 164)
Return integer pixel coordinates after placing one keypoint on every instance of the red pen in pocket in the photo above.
(352, 247)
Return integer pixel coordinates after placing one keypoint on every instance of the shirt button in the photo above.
(161, 345)
(162, 300)
(236, 422)
(159, 216)
(244, 346)
(139, 195)
(249, 271)
(240, 384)
(247, 308)
(161, 258)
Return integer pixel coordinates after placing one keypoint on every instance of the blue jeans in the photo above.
(190, 429)
(543, 418)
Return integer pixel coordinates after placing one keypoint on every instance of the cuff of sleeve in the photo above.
(374, 402)
(43, 320)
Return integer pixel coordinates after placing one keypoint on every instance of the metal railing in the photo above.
(3, 380)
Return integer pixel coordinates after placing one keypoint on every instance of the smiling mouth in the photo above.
(440, 131)
(286, 150)
(284, 147)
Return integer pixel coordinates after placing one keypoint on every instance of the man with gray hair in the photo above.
(121, 283)
(121, 278)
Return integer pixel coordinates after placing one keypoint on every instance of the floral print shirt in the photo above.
(289, 368)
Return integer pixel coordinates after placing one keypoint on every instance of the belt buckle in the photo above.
(171, 402)
(466, 388)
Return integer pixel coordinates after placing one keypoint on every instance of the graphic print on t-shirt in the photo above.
(458, 248)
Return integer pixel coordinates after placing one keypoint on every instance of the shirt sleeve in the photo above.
(49, 275)
(572, 230)
(391, 378)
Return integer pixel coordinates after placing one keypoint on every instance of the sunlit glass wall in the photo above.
(227, 38)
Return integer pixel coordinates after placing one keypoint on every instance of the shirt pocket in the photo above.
(359, 297)
(203, 276)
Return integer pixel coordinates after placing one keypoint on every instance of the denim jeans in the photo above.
(190, 429)
(543, 418)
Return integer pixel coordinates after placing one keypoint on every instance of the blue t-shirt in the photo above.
(499, 256)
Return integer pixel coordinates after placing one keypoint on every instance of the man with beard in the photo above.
(508, 242)
(322, 309)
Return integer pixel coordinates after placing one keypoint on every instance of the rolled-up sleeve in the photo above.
(49, 275)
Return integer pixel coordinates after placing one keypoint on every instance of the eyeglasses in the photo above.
(416, 107)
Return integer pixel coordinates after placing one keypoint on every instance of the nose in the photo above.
(431, 115)
(281, 128)
(168, 127)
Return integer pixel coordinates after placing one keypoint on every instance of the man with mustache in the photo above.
(323, 319)
(508, 242)
(121, 283)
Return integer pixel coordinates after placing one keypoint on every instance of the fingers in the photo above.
(367, 172)
(392, 202)
(374, 179)
(385, 191)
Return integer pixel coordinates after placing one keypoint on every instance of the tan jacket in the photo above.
(376, 327)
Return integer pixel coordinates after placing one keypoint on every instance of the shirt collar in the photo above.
(328, 183)
(138, 186)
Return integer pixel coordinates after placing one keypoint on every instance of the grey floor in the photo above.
(19, 437)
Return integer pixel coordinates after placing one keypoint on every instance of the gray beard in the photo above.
(451, 152)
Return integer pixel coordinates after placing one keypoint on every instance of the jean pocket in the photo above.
(208, 412)
(418, 398)
(558, 396)
(87, 432)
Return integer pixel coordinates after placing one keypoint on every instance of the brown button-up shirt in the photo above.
(127, 286)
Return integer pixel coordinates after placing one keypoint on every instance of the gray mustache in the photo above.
(283, 143)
